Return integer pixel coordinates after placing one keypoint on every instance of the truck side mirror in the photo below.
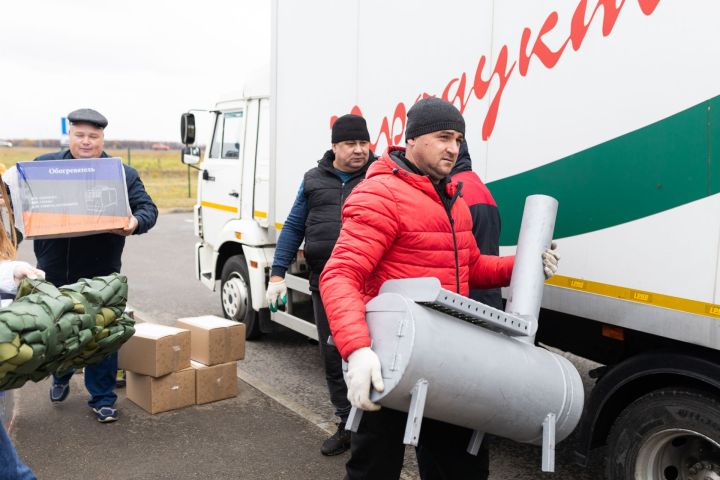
(190, 155)
(187, 128)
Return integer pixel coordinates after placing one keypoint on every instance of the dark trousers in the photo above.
(377, 450)
(99, 381)
(331, 360)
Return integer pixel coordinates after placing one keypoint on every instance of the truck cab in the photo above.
(233, 217)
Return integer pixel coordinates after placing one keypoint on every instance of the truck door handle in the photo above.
(206, 176)
(234, 194)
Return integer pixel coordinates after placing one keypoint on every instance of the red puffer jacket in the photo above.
(396, 226)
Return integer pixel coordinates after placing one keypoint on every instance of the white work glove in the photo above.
(276, 294)
(363, 368)
(24, 269)
(11, 272)
(550, 259)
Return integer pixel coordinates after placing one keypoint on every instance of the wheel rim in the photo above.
(235, 296)
(678, 454)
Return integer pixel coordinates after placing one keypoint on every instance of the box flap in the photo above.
(155, 331)
(208, 322)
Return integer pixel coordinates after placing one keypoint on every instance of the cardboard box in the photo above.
(214, 340)
(156, 350)
(217, 382)
(61, 198)
(170, 392)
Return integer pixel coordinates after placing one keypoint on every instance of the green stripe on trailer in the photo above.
(713, 115)
(658, 167)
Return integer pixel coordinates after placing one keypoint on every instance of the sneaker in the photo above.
(338, 443)
(120, 379)
(106, 414)
(59, 392)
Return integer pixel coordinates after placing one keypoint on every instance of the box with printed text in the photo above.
(61, 198)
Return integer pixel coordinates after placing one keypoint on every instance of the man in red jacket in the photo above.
(406, 220)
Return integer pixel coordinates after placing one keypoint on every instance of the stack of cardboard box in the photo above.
(161, 375)
(216, 345)
(157, 361)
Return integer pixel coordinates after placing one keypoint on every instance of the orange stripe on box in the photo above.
(41, 224)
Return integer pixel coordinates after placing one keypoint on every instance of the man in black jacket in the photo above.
(315, 217)
(485, 215)
(66, 260)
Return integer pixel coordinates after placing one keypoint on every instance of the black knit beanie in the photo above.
(350, 127)
(432, 115)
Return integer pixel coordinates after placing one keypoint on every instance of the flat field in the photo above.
(165, 178)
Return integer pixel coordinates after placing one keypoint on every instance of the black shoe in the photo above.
(338, 443)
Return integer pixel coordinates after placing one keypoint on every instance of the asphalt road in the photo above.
(285, 365)
(246, 437)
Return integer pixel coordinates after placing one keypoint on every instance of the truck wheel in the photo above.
(669, 434)
(235, 296)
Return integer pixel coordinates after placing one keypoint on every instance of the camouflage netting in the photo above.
(48, 330)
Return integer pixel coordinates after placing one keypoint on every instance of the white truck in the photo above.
(610, 106)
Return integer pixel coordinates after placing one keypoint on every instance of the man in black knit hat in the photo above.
(315, 217)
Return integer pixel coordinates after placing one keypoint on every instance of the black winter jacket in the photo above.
(325, 194)
(66, 260)
(485, 216)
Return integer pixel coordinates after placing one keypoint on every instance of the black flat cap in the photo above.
(88, 115)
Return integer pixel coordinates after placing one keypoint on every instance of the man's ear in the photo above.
(334, 147)
(410, 142)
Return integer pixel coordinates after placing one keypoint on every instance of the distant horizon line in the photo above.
(50, 142)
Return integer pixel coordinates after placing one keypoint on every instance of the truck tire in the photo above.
(668, 434)
(235, 296)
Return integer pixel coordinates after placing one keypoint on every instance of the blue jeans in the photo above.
(11, 467)
(99, 381)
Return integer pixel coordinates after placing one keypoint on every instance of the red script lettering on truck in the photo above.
(456, 90)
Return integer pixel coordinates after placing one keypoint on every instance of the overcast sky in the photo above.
(140, 63)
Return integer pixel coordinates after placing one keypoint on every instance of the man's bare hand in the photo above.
(132, 225)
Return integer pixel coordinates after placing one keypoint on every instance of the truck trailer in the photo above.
(610, 106)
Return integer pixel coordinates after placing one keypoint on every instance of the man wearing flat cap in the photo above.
(315, 217)
(66, 260)
(406, 220)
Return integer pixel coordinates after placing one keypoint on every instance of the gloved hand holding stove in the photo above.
(550, 258)
(363, 370)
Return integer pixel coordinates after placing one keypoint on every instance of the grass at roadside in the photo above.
(165, 178)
